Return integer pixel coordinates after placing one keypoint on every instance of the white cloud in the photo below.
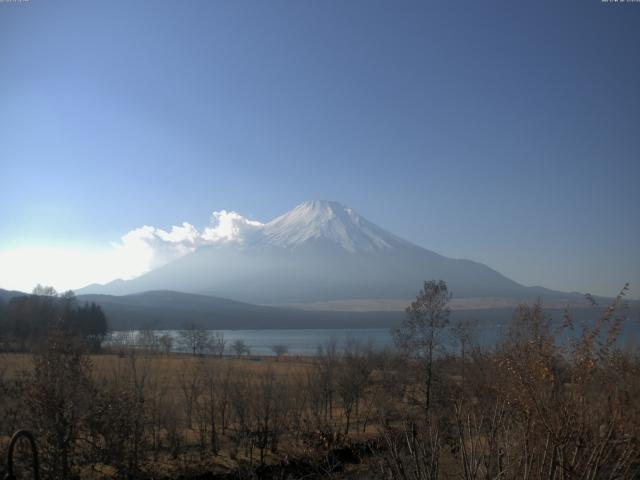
(229, 227)
(137, 252)
(151, 247)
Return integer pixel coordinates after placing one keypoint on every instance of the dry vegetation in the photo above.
(526, 409)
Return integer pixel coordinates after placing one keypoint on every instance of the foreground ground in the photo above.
(527, 408)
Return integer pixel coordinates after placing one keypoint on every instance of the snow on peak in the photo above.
(326, 221)
(148, 247)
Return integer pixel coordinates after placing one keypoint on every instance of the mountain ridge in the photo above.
(319, 251)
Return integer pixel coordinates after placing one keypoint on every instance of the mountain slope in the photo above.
(319, 251)
(6, 295)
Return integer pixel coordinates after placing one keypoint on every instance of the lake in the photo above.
(304, 341)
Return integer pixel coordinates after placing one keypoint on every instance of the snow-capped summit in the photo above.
(326, 221)
(311, 223)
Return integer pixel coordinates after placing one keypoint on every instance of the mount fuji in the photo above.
(320, 251)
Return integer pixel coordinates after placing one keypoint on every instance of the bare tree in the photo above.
(421, 332)
(353, 377)
(147, 340)
(214, 389)
(59, 397)
(166, 343)
(268, 412)
(194, 339)
(324, 374)
(240, 347)
(190, 387)
(463, 332)
(121, 341)
(411, 454)
(280, 349)
(217, 344)
(44, 291)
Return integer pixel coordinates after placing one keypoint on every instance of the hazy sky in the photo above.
(505, 132)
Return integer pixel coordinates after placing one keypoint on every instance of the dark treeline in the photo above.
(25, 320)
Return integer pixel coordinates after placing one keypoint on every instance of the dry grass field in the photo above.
(176, 398)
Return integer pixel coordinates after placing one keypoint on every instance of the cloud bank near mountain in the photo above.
(158, 247)
(135, 253)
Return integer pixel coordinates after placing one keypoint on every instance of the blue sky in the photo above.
(504, 132)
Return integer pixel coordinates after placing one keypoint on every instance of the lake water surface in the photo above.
(305, 341)
(488, 326)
